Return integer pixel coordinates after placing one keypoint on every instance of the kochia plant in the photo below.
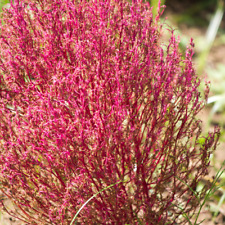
(90, 97)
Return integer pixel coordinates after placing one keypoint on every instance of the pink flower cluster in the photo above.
(90, 96)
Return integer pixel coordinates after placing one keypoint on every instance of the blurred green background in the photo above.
(3, 3)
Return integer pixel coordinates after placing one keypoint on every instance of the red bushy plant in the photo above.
(89, 96)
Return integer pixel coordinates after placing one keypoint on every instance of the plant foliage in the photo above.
(90, 96)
